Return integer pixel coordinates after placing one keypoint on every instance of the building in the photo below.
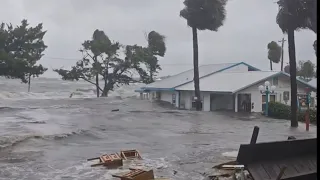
(313, 82)
(230, 86)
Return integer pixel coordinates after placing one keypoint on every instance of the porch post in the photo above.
(236, 102)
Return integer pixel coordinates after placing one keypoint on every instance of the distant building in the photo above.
(230, 86)
(313, 82)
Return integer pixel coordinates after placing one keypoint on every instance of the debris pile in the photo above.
(115, 160)
(229, 171)
(138, 174)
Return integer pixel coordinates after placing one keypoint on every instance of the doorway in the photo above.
(244, 102)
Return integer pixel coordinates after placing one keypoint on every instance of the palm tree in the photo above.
(274, 53)
(292, 16)
(311, 10)
(156, 47)
(202, 15)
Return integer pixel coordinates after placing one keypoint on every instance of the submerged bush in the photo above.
(282, 111)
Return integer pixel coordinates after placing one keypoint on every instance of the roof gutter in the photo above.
(147, 89)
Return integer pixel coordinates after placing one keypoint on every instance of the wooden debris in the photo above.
(232, 167)
(110, 161)
(136, 174)
(130, 154)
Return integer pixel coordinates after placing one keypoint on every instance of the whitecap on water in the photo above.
(230, 154)
(64, 90)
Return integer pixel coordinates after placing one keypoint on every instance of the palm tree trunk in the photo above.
(97, 85)
(29, 82)
(293, 79)
(282, 44)
(270, 65)
(196, 68)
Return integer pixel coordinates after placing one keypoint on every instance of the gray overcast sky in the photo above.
(249, 26)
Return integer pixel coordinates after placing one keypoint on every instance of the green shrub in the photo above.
(282, 111)
(313, 116)
(279, 110)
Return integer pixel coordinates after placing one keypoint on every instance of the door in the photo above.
(244, 102)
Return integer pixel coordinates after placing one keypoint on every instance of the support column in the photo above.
(177, 99)
(236, 102)
(206, 102)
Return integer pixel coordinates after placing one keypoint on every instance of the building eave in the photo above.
(301, 81)
(223, 69)
(272, 76)
(216, 92)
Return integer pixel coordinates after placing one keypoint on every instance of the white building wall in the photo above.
(283, 85)
(166, 96)
(186, 100)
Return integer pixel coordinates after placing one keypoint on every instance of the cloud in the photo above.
(249, 26)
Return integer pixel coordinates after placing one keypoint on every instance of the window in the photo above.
(275, 81)
(286, 95)
(272, 98)
(263, 99)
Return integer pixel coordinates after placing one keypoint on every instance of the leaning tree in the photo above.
(102, 58)
(292, 16)
(202, 15)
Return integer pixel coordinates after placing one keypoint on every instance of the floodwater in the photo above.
(45, 135)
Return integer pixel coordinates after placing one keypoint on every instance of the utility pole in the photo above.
(282, 43)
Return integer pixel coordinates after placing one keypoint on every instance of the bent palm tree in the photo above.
(274, 53)
(292, 16)
(202, 15)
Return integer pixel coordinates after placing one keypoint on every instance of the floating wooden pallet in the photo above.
(136, 174)
(110, 161)
(130, 154)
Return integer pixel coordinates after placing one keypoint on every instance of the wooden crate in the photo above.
(137, 174)
(130, 154)
(109, 161)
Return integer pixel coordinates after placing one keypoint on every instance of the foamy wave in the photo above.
(10, 141)
(230, 154)
(46, 95)
(125, 91)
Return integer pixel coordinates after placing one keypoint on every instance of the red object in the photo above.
(307, 120)
(307, 89)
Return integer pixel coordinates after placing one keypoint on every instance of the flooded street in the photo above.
(51, 139)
